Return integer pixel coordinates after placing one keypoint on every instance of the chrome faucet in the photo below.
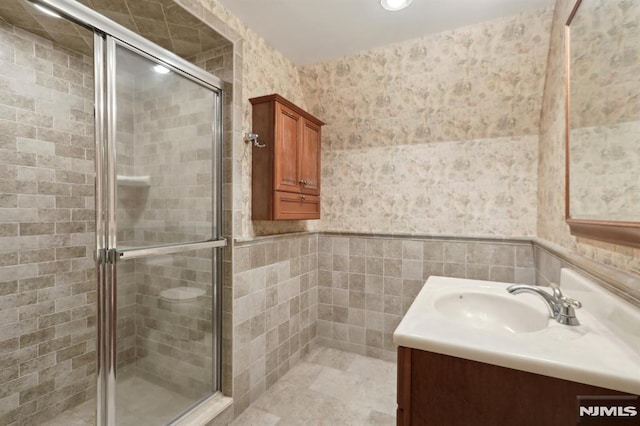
(561, 308)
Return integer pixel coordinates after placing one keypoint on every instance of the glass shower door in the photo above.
(160, 198)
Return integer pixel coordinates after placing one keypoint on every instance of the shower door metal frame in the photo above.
(107, 36)
(111, 255)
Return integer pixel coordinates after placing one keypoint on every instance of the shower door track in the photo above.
(107, 35)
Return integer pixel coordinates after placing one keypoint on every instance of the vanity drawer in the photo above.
(293, 206)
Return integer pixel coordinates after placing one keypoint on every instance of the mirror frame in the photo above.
(623, 233)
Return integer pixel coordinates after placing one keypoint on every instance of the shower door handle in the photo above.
(174, 248)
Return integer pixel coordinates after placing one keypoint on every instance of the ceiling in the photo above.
(161, 21)
(308, 31)
(24, 15)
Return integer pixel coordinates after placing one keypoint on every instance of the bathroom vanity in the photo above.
(471, 353)
(436, 389)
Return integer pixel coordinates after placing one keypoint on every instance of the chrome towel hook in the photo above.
(253, 137)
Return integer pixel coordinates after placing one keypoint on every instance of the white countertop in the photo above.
(603, 351)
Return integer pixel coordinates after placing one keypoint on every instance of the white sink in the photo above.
(481, 321)
(491, 311)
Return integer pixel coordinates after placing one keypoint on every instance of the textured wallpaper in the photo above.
(266, 71)
(434, 135)
(551, 192)
(357, 91)
(259, 70)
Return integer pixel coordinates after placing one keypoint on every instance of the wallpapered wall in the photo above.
(265, 71)
(551, 167)
(406, 125)
(434, 135)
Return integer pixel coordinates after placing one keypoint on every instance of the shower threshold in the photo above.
(139, 402)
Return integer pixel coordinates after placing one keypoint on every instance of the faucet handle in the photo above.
(571, 302)
(567, 314)
(555, 288)
(567, 301)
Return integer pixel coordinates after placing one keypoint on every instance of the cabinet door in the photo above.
(310, 159)
(288, 135)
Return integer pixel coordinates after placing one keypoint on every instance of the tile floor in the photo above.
(328, 387)
(139, 402)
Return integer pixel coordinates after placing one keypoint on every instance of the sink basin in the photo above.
(491, 311)
(480, 321)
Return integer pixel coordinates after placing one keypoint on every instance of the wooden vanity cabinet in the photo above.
(442, 390)
(285, 182)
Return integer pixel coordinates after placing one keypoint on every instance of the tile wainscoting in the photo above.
(349, 291)
(367, 282)
(274, 310)
(550, 257)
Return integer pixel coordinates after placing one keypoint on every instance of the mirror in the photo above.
(603, 120)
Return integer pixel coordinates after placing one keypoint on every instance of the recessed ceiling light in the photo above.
(46, 10)
(161, 70)
(394, 5)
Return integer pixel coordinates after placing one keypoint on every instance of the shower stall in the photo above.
(110, 227)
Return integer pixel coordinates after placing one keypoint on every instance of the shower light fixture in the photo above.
(393, 5)
(161, 70)
(46, 10)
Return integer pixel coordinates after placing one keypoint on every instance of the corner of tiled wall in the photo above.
(551, 258)
(274, 310)
(367, 283)
(227, 64)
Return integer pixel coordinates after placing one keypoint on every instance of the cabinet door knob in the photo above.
(304, 197)
(303, 182)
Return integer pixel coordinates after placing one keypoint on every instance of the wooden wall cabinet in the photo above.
(285, 183)
(442, 390)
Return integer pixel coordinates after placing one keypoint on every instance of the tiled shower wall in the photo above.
(173, 147)
(47, 297)
(220, 62)
(173, 339)
(47, 302)
(170, 143)
(127, 203)
(274, 310)
(367, 283)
